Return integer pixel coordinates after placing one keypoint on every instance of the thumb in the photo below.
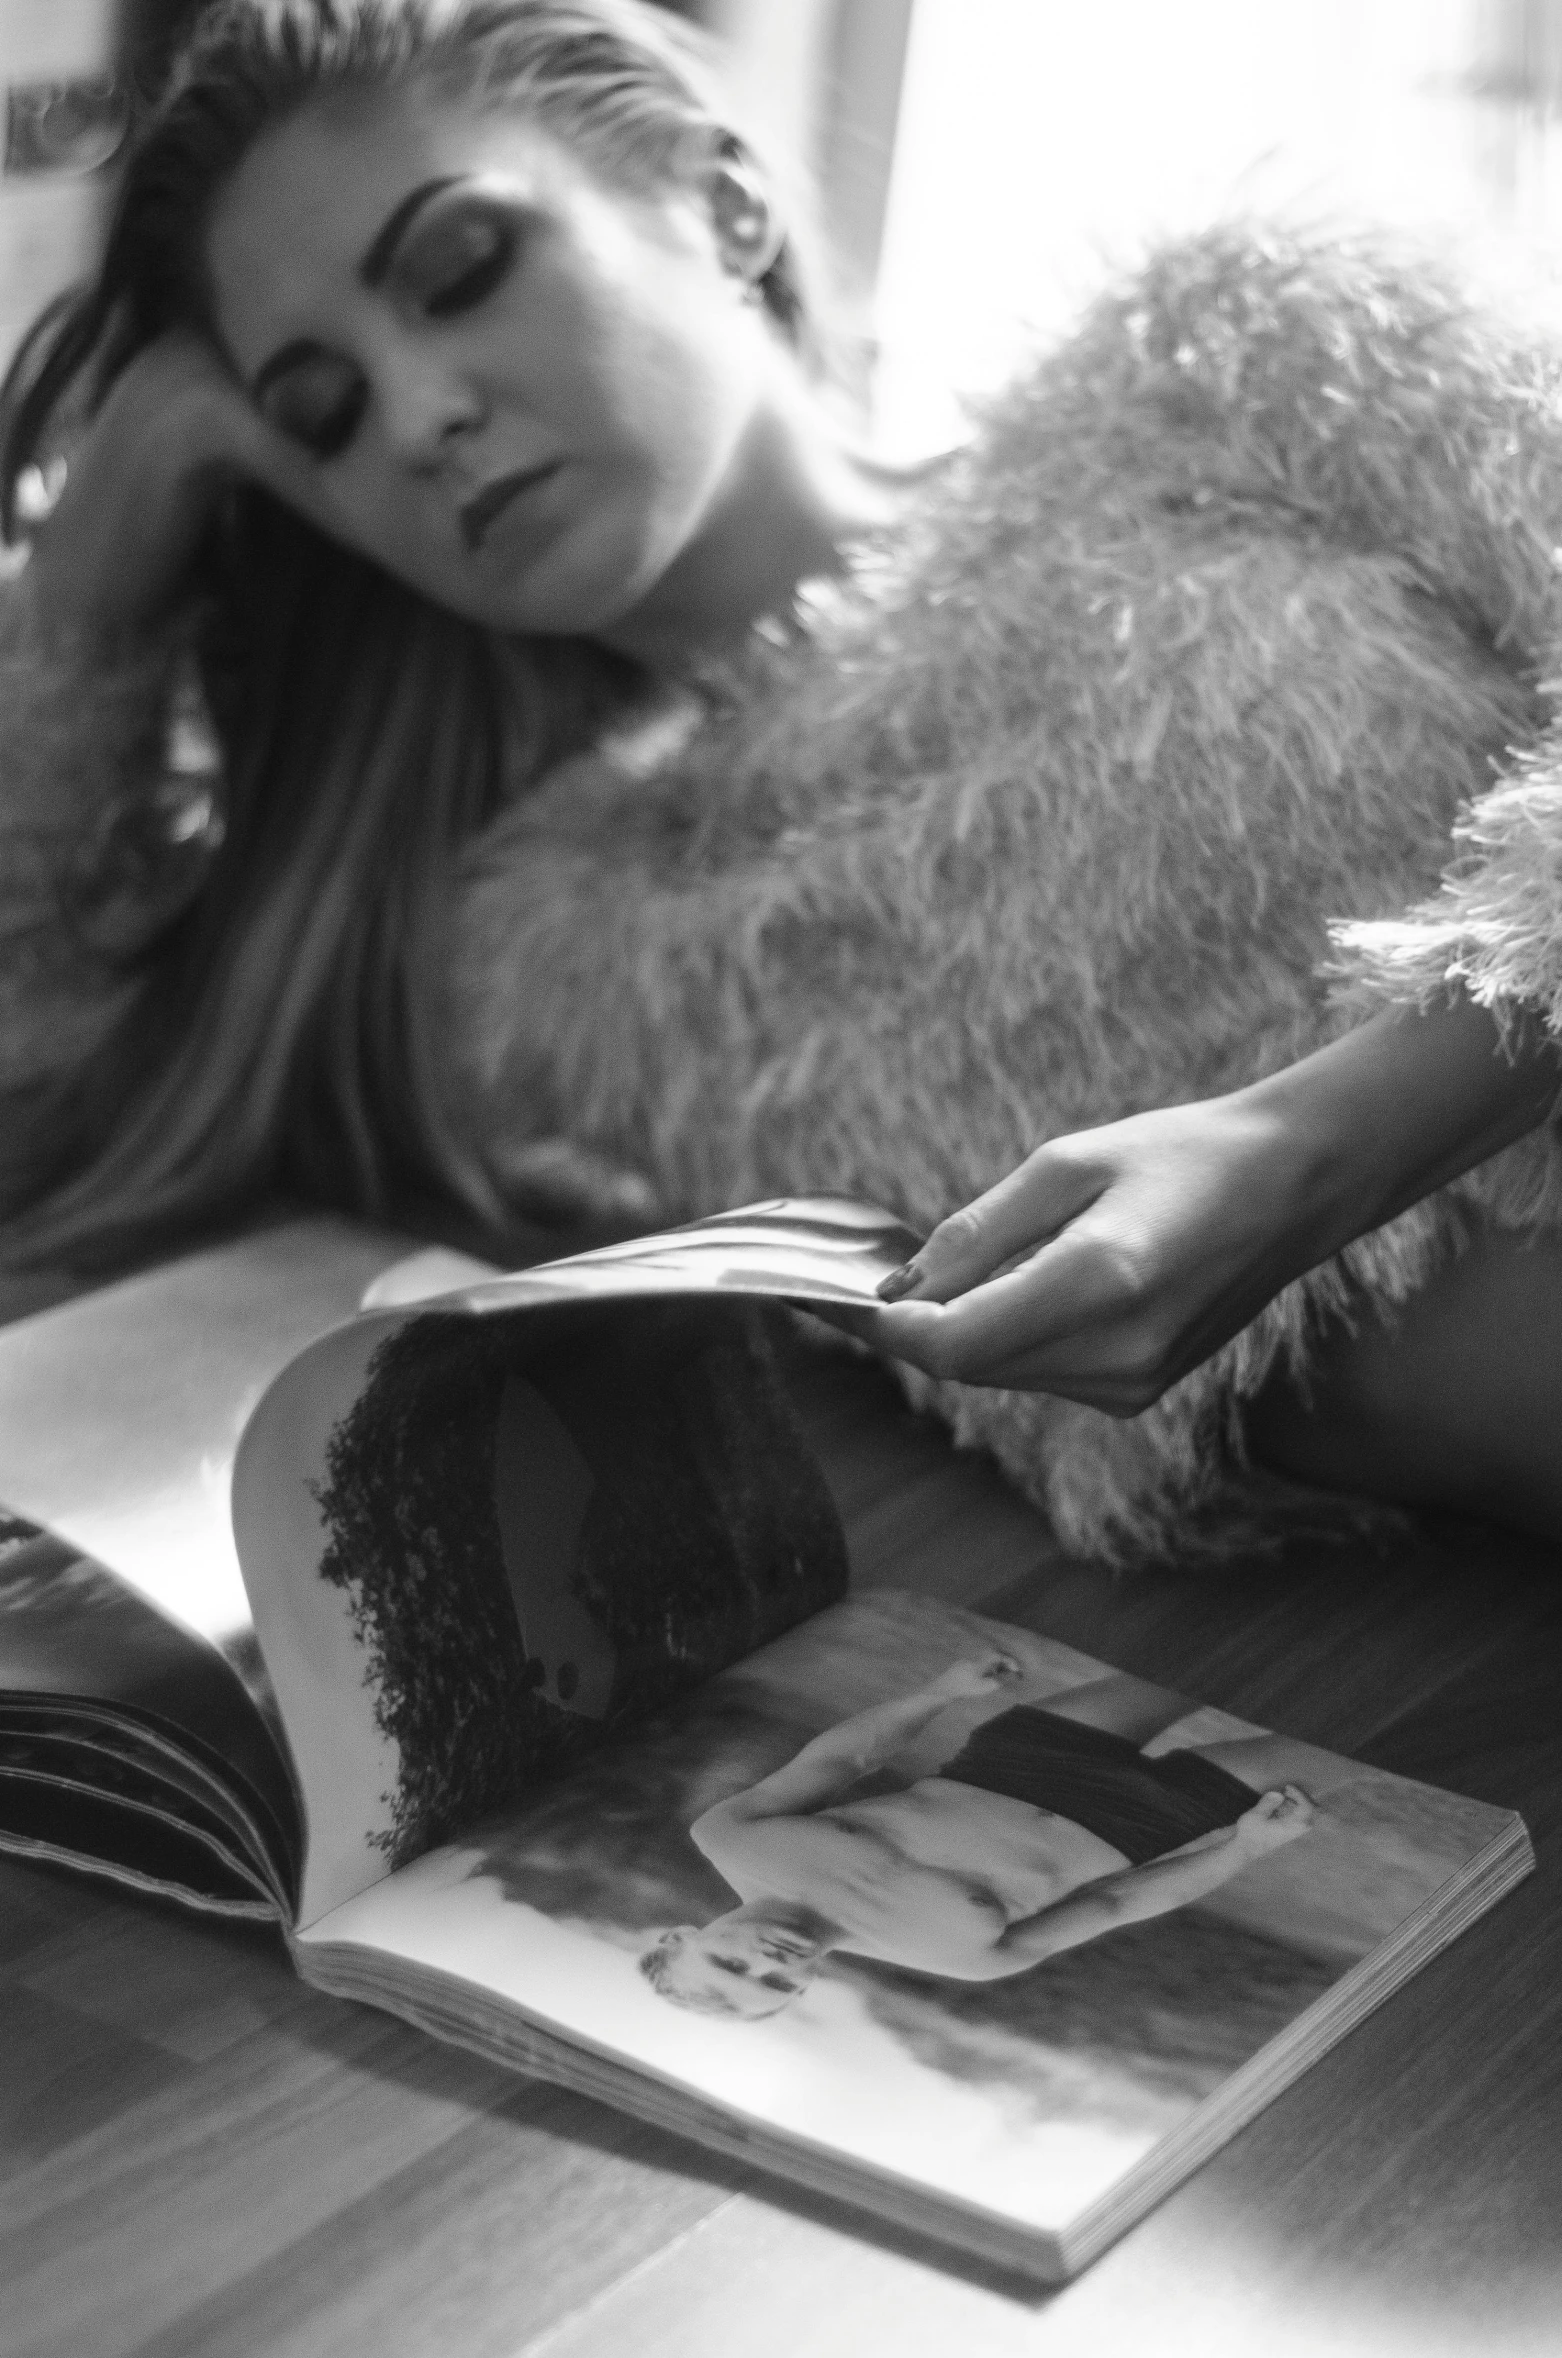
(1047, 1191)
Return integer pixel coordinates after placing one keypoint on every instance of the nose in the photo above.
(427, 412)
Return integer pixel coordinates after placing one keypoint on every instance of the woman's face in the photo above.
(523, 391)
(753, 1968)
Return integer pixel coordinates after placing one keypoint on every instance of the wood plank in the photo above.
(150, 2210)
(199, 2155)
(481, 2245)
(67, 2076)
(35, 1907)
(185, 1985)
(325, 2169)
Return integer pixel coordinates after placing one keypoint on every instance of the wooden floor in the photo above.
(199, 2155)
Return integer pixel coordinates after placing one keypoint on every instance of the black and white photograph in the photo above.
(780, 1178)
(998, 1927)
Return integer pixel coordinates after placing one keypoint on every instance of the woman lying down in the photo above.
(1046, 1827)
(631, 791)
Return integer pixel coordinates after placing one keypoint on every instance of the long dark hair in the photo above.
(278, 1036)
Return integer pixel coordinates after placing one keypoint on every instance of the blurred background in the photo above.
(980, 164)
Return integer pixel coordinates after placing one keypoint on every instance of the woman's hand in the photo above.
(981, 1675)
(175, 432)
(1145, 1244)
(1112, 1262)
(1274, 1820)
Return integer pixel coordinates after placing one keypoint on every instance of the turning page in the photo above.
(481, 1531)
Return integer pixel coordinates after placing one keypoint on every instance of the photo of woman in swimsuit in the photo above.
(1027, 1832)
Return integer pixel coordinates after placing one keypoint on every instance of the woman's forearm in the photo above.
(1113, 1261)
(868, 1738)
(1129, 1897)
(1178, 1876)
(113, 561)
(1400, 1106)
(828, 1764)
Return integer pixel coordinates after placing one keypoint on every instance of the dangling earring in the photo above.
(746, 230)
(746, 226)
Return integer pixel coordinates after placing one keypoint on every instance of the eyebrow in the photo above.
(372, 269)
(382, 252)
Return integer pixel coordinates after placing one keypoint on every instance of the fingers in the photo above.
(979, 1674)
(1285, 1811)
(1024, 1209)
(1050, 1296)
(1080, 1318)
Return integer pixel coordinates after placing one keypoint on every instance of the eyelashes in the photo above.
(453, 259)
(317, 402)
(487, 266)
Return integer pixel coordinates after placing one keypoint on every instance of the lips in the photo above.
(479, 514)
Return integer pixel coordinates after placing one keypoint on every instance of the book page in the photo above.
(120, 1413)
(478, 1530)
(819, 1896)
(90, 1670)
(127, 1655)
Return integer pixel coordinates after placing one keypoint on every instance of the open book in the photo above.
(495, 1639)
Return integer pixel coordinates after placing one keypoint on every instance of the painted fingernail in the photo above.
(900, 1282)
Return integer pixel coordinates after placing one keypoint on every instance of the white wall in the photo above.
(776, 59)
(48, 227)
(822, 79)
(1042, 141)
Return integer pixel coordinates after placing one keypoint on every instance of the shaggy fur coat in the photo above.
(1226, 621)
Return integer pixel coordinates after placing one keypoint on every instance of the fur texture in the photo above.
(1235, 604)
(1495, 928)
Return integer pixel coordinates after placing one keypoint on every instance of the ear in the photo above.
(749, 231)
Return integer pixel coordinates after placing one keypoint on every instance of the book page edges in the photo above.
(1435, 1925)
(36, 1852)
(466, 2015)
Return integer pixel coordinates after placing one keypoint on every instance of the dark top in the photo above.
(1144, 1808)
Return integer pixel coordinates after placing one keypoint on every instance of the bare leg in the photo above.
(1457, 1404)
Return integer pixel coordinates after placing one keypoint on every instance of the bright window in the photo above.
(1043, 141)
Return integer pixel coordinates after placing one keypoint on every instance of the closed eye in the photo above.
(471, 287)
(314, 396)
(458, 252)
